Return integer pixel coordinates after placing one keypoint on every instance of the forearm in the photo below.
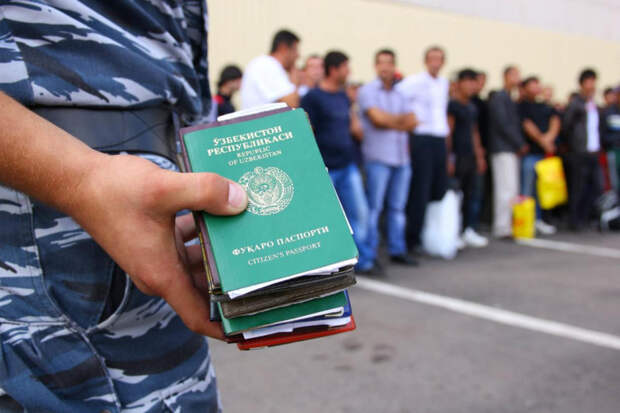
(554, 127)
(533, 132)
(356, 127)
(406, 122)
(477, 143)
(381, 119)
(40, 159)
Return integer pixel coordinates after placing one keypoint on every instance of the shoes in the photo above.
(545, 229)
(460, 243)
(405, 260)
(376, 269)
(472, 239)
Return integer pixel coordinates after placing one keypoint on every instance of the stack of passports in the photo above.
(278, 272)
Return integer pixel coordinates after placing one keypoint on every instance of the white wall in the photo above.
(243, 29)
(597, 18)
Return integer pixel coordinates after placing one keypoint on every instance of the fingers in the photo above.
(165, 275)
(186, 227)
(192, 307)
(203, 191)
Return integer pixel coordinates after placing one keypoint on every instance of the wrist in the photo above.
(80, 186)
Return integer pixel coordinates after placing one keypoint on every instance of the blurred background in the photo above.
(554, 39)
(531, 325)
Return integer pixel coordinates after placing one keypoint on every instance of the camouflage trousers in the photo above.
(77, 335)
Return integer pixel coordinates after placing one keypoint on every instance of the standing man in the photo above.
(335, 125)
(228, 84)
(386, 120)
(312, 74)
(582, 124)
(427, 97)
(267, 78)
(541, 127)
(506, 143)
(466, 156)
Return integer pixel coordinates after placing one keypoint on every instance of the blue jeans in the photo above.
(76, 335)
(387, 185)
(528, 179)
(350, 190)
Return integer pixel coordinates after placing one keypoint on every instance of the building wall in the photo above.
(242, 29)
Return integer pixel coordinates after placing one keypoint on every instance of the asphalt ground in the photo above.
(419, 352)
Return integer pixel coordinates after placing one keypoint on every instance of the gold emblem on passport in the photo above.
(270, 190)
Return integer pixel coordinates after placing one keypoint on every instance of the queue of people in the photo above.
(395, 144)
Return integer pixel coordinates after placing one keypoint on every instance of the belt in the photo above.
(150, 130)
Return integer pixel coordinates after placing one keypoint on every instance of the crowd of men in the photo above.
(396, 144)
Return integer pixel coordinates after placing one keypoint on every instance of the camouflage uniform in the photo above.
(76, 334)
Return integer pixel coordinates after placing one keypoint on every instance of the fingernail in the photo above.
(236, 195)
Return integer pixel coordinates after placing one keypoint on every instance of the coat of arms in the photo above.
(269, 190)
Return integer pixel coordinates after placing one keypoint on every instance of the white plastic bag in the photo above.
(442, 224)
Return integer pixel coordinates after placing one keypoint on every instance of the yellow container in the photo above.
(524, 217)
(550, 183)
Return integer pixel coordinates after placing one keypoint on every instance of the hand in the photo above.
(548, 143)
(128, 205)
(450, 166)
(294, 76)
(523, 150)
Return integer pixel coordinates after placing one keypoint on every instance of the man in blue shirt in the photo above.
(386, 119)
(329, 110)
(102, 305)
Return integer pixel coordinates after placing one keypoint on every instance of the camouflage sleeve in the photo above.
(197, 30)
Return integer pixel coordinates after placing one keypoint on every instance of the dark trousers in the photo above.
(428, 182)
(472, 185)
(584, 186)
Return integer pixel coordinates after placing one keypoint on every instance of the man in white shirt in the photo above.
(427, 96)
(267, 77)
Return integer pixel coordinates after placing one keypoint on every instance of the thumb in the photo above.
(204, 192)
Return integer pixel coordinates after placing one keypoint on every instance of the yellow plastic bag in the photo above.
(523, 217)
(550, 183)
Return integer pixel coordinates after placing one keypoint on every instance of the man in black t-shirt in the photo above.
(466, 156)
(541, 126)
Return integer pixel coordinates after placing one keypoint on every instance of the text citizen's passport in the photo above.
(294, 225)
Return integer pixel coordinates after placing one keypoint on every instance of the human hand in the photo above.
(548, 143)
(450, 166)
(128, 205)
(523, 150)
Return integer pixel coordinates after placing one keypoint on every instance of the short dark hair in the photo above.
(528, 80)
(285, 37)
(467, 74)
(334, 59)
(434, 48)
(509, 68)
(386, 51)
(607, 91)
(230, 72)
(586, 74)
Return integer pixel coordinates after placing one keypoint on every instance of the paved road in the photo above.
(408, 356)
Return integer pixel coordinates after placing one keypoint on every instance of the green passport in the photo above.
(294, 225)
(308, 309)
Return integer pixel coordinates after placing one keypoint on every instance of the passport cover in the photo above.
(294, 222)
(278, 315)
(253, 305)
(295, 336)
